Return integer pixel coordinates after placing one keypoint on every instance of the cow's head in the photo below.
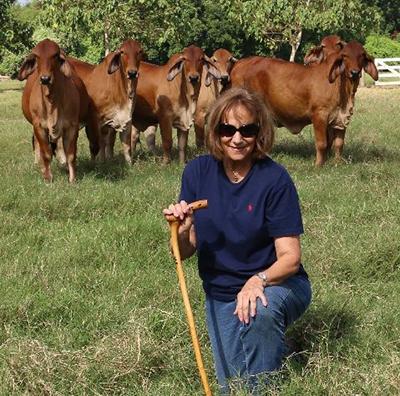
(127, 58)
(350, 61)
(190, 62)
(329, 44)
(222, 60)
(47, 59)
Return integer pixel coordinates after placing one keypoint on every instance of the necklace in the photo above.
(237, 172)
(236, 175)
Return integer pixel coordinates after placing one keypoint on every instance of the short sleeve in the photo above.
(188, 188)
(283, 215)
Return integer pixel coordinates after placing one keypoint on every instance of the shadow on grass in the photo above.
(359, 153)
(301, 149)
(320, 332)
(143, 154)
(117, 169)
(323, 329)
(113, 170)
(355, 152)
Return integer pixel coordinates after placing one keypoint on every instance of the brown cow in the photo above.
(167, 95)
(112, 88)
(299, 95)
(55, 102)
(329, 44)
(211, 88)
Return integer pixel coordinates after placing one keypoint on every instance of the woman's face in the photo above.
(238, 148)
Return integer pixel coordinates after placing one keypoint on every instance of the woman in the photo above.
(247, 240)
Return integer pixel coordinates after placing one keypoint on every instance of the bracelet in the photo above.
(263, 276)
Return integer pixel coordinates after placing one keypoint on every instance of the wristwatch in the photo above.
(263, 276)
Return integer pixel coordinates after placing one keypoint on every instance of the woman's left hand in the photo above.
(247, 299)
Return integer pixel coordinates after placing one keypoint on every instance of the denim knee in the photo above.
(263, 340)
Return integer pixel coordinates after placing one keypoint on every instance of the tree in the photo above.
(15, 37)
(390, 10)
(5, 7)
(162, 26)
(275, 22)
(219, 30)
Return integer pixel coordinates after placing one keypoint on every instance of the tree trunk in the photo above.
(106, 39)
(295, 45)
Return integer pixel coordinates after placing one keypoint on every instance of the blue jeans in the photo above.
(246, 351)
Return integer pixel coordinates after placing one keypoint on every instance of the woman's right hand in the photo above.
(183, 212)
(187, 236)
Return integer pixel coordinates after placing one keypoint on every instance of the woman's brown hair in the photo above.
(255, 105)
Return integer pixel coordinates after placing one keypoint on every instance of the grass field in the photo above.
(89, 297)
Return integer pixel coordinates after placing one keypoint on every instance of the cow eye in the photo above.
(213, 59)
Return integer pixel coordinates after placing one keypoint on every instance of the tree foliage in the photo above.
(89, 29)
(162, 26)
(382, 46)
(390, 10)
(15, 37)
(278, 22)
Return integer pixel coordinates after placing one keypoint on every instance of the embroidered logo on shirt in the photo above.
(249, 207)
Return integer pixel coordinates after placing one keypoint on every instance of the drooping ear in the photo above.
(65, 66)
(175, 69)
(369, 67)
(208, 79)
(337, 68)
(115, 62)
(27, 67)
(210, 68)
(314, 55)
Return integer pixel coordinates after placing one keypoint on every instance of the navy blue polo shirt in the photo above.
(234, 234)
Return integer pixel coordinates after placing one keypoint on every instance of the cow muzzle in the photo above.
(45, 80)
(355, 74)
(224, 79)
(132, 74)
(194, 79)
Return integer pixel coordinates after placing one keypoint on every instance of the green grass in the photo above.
(90, 303)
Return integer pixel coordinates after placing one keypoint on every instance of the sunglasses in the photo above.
(246, 130)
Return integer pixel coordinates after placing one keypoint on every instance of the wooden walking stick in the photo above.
(174, 225)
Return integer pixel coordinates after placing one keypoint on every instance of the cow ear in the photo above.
(336, 69)
(208, 79)
(210, 68)
(27, 67)
(233, 59)
(340, 44)
(175, 69)
(314, 55)
(115, 62)
(65, 66)
(369, 67)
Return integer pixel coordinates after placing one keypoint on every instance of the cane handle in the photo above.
(202, 203)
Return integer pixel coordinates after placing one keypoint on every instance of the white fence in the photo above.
(389, 71)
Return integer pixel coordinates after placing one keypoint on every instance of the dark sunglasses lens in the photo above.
(226, 130)
(249, 130)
